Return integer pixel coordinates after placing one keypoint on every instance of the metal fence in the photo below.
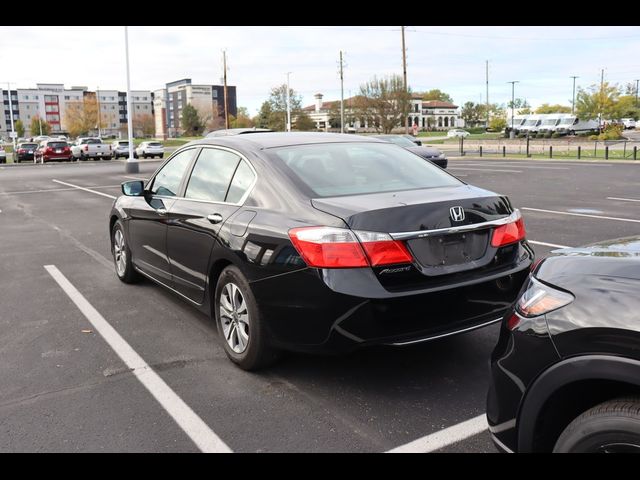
(548, 148)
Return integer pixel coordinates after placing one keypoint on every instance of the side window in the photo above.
(167, 181)
(212, 174)
(241, 182)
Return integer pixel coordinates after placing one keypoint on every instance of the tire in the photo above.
(122, 255)
(248, 344)
(612, 426)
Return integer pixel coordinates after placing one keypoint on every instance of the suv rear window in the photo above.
(57, 144)
(154, 144)
(92, 141)
(328, 170)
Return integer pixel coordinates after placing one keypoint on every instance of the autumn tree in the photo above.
(596, 101)
(39, 126)
(557, 108)
(473, 113)
(82, 117)
(19, 126)
(145, 124)
(242, 120)
(383, 102)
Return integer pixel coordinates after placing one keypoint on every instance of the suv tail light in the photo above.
(329, 247)
(538, 299)
(86, 148)
(510, 233)
(48, 150)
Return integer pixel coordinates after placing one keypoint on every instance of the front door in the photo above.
(149, 215)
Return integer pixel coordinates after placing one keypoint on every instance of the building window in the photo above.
(50, 98)
(215, 94)
(28, 107)
(136, 98)
(37, 97)
(113, 107)
(67, 97)
(26, 97)
(137, 107)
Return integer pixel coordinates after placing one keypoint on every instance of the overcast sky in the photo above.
(449, 58)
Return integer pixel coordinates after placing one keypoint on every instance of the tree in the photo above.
(557, 108)
(304, 123)
(19, 126)
(39, 127)
(242, 120)
(383, 102)
(519, 103)
(436, 94)
(497, 124)
(191, 122)
(473, 113)
(626, 107)
(273, 112)
(596, 101)
(145, 124)
(81, 117)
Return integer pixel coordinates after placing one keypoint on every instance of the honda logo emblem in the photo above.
(457, 214)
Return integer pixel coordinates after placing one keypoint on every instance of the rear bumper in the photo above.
(308, 310)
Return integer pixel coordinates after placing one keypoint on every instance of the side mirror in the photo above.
(135, 188)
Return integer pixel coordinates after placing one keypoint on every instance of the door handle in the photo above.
(214, 218)
(161, 211)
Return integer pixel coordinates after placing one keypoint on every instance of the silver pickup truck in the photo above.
(91, 147)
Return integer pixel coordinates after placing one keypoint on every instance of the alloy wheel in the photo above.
(234, 318)
(119, 252)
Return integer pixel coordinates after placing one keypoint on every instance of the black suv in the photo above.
(566, 370)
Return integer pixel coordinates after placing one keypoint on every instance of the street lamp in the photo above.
(513, 101)
(131, 165)
(288, 105)
(13, 130)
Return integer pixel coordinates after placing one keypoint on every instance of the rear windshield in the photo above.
(92, 140)
(57, 144)
(29, 145)
(329, 170)
(123, 144)
(154, 144)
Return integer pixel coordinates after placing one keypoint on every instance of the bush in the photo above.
(475, 130)
(556, 135)
(497, 124)
(522, 135)
(547, 135)
(593, 137)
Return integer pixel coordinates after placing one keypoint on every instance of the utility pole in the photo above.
(487, 96)
(288, 105)
(226, 102)
(573, 98)
(513, 102)
(637, 92)
(13, 130)
(131, 165)
(98, 100)
(342, 95)
(404, 79)
(600, 101)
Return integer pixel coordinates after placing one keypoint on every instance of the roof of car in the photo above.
(283, 139)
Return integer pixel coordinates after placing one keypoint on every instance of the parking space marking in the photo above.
(545, 244)
(485, 170)
(53, 190)
(445, 437)
(195, 428)
(511, 165)
(85, 189)
(601, 217)
(624, 199)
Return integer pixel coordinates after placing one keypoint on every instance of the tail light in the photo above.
(328, 247)
(48, 150)
(86, 148)
(21, 150)
(510, 233)
(538, 299)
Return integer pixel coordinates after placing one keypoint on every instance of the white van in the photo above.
(550, 124)
(572, 125)
(532, 124)
(628, 122)
(518, 121)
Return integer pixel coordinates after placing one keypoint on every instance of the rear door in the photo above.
(149, 215)
(215, 190)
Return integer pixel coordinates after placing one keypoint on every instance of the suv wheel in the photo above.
(122, 255)
(612, 426)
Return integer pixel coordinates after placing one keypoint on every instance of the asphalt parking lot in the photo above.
(66, 389)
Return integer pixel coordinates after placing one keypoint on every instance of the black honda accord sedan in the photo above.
(566, 370)
(320, 242)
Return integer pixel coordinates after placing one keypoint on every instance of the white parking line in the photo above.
(602, 217)
(511, 165)
(445, 437)
(545, 244)
(85, 189)
(624, 199)
(485, 170)
(53, 190)
(198, 431)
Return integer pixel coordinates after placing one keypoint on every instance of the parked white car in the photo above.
(457, 132)
(150, 149)
(628, 122)
(3, 155)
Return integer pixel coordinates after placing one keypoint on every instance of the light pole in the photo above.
(131, 165)
(342, 95)
(13, 130)
(573, 98)
(513, 102)
(637, 92)
(288, 106)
